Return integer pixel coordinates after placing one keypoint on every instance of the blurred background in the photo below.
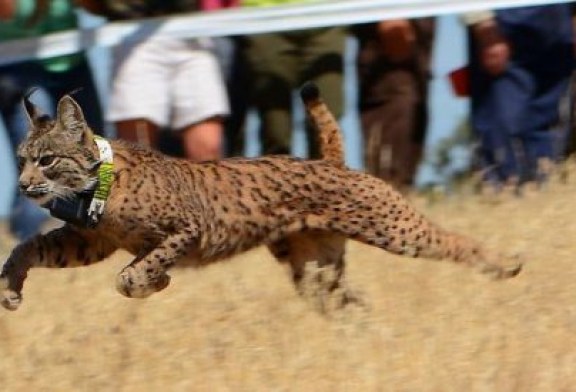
(447, 111)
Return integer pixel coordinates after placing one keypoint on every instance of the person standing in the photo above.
(521, 60)
(280, 62)
(393, 65)
(165, 82)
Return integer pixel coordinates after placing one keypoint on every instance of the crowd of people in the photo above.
(198, 91)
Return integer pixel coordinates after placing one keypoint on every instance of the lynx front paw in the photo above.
(134, 285)
(10, 300)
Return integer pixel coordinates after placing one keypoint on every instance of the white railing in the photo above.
(315, 13)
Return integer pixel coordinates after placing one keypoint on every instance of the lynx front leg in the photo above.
(61, 248)
(147, 273)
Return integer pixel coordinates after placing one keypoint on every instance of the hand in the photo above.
(398, 39)
(495, 58)
(494, 49)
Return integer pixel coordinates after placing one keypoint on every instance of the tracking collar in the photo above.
(105, 178)
(85, 208)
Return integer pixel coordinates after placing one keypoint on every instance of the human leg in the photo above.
(273, 63)
(393, 104)
(139, 101)
(544, 134)
(140, 130)
(203, 141)
(542, 61)
(198, 112)
(239, 91)
(497, 118)
(324, 64)
(391, 152)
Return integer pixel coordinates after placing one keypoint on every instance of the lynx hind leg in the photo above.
(466, 251)
(384, 218)
(316, 260)
(426, 240)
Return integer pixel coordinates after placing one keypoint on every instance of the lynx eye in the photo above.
(46, 160)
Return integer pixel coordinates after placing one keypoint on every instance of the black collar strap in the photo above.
(86, 208)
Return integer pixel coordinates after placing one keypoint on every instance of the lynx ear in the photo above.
(70, 117)
(34, 114)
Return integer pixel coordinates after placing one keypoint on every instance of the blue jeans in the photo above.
(26, 217)
(515, 114)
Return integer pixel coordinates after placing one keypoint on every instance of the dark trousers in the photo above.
(515, 115)
(280, 62)
(392, 102)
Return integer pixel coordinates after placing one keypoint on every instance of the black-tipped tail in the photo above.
(330, 141)
(309, 91)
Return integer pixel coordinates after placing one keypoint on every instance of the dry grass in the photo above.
(240, 326)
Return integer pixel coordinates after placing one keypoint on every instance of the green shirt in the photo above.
(59, 16)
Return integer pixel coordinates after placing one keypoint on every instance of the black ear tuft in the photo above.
(75, 91)
(30, 107)
(309, 91)
(35, 116)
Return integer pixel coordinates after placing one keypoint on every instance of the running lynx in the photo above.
(163, 209)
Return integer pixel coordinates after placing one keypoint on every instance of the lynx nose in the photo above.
(24, 185)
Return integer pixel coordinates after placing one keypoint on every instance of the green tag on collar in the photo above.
(105, 180)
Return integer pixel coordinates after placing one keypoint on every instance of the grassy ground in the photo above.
(240, 326)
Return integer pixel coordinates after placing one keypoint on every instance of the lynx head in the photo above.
(59, 156)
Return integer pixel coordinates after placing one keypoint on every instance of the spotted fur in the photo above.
(163, 210)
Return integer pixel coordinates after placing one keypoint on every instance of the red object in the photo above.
(460, 81)
(211, 5)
